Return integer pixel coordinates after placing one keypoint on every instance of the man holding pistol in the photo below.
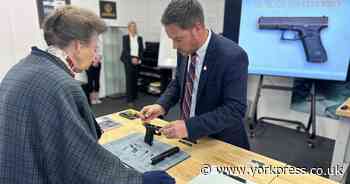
(210, 82)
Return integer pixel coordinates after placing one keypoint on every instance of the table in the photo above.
(211, 152)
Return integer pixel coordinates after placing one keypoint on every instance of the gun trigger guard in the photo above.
(296, 37)
(157, 128)
(157, 132)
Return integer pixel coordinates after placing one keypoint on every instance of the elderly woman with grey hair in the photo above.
(48, 133)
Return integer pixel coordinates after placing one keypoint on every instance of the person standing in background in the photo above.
(93, 75)
(131, 57)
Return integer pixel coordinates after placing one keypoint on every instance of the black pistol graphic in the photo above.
(308, 29)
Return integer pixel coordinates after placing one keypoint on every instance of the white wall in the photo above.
(152, 10)
(146, 14)
(18, 32)
(6, 51)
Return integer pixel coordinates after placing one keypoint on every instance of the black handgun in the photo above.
(162, 156)
(151, 130)
(308, 29)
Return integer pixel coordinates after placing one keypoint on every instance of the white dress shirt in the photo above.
(201, 52)
(134, 46)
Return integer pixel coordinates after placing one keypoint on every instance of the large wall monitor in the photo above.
(266, 26)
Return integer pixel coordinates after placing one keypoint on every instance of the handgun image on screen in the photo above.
(308, 29)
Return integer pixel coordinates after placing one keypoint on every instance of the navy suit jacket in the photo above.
(221, 96)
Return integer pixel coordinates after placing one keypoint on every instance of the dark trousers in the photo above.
(131, 75)
(93, 75)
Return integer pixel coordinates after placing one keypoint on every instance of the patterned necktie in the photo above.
(71, 65)
(190, 77)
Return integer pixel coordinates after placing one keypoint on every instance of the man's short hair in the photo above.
(183, 13)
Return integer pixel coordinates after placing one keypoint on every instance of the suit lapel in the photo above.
(208, 65)
(128, 41)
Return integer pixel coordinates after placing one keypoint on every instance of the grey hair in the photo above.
(71, 23)
(183, 13)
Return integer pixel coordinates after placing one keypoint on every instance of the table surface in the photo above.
(215, 153)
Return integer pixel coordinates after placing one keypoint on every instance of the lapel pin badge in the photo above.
(205, 68)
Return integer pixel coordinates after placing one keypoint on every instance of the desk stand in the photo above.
(300, 126)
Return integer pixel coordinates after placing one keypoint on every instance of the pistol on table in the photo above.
(151, 130)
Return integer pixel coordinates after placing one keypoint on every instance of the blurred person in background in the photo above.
(93, 75)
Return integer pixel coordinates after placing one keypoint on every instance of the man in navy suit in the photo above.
(210, 81)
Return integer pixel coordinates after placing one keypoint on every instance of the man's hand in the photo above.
(175, 130)
(151, 112)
